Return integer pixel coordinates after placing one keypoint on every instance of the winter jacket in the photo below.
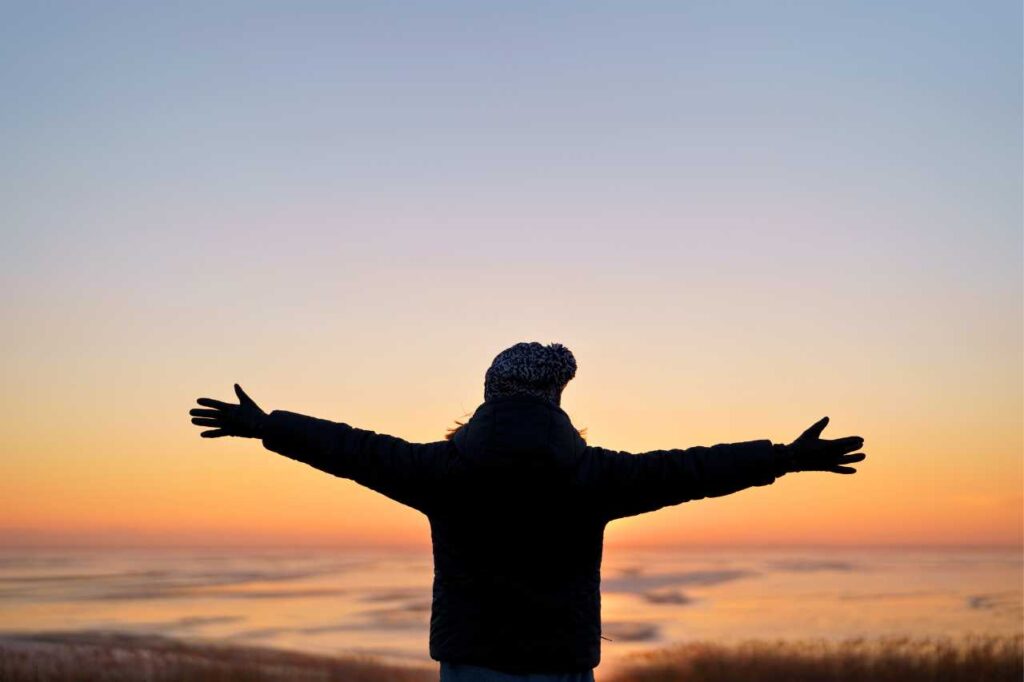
(517, 504)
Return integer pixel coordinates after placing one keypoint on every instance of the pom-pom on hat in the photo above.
(530, 369)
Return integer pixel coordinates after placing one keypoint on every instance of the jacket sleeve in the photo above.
(406, 472)
(625, 484)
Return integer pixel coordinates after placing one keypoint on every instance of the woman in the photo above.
(518, 503)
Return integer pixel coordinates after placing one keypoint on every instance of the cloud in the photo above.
(633, 581)
(667, 597)
(886, 595)
(809, 565)
(999, 602)
(164, 584)
(624, 631)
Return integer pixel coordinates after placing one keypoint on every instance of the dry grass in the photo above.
(973, 659)
(112, 657)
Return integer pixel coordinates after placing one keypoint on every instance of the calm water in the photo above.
(336, 601)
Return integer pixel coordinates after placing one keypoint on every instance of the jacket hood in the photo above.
(519, 430)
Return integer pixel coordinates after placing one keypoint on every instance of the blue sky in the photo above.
(717, 201)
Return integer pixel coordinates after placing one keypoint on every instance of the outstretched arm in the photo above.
(625, 484)
(404, 471)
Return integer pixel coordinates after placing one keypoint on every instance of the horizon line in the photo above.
(421, 547)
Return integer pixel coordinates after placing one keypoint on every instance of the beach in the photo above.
(313, 611)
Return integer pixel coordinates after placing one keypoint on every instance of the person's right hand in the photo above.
(245, 420)
(809, 452)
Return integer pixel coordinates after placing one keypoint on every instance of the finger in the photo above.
(206, 421)
(844, 445)
(850, 459)
(242, 397)
(206, 413)
(842, 470)
(210, 402)
(216, 433)
(815, 430)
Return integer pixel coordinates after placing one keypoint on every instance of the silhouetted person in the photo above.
(518, 503)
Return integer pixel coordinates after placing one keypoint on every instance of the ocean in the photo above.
(378, 602)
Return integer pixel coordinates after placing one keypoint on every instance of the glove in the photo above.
(245, 420)
(809, 452)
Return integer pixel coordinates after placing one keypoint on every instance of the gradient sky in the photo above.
(740, 216)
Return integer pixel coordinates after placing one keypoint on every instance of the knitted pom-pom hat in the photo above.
(530, 369)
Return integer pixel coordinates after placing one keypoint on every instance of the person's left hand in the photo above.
(811, 452)
(244, 420)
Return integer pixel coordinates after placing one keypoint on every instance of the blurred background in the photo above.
(740, 216)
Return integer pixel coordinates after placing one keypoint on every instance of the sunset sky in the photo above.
(740, 216)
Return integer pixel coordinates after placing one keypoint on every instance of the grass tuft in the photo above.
(887, 659)
(116, 657)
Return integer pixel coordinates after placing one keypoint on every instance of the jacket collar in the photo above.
(519, 429)
(524, 398)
